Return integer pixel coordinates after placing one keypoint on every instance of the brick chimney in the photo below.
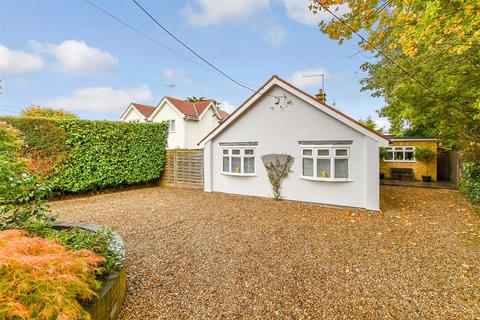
(321, 96)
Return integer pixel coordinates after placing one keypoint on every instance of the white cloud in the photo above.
(227, 106)
(249, 12)
(299, 78)
(176, 76)
(208, 12)
(298, 11)
(72, 56)
(100, 99)
(274, 34)
(18, 62)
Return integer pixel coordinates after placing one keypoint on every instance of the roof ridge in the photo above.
(276, 77)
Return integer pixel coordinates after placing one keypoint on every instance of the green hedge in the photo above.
(87, 155)
(470, 182)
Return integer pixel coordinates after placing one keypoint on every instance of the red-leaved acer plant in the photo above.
(41, 279)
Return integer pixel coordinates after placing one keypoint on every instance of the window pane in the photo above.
(307, 152)
(398, 155)
(341, 168)
(236, 163)
(408, 148)
(398, 148)
(225, 151)
(323, 168)
(409, 155)
(323, 152)
(341, 152)
(389, 156)
(307, 167)
(248, 151)
(236, 151)
(249, 165)
(226, 164)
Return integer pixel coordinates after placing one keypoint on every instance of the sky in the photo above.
(70, 55)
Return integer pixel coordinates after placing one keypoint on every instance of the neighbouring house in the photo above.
(336, 158)
(401, 155)
(137, 112)
(188, 122)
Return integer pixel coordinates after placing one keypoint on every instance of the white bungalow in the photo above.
(188, 121)
(336, 159)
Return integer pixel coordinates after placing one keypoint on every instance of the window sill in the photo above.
(326, 179)
(239, 174)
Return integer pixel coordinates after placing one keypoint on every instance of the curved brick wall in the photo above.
(111, 295)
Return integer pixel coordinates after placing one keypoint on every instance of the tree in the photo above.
(437, 44)
(370, 123)
(426, 155)
(196, 99)
(44, 112)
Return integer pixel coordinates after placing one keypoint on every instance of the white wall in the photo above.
(176, 139)
(133, 115)
(279, 131)
(196, 130)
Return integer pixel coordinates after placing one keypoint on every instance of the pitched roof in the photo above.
(145, 110)
(223, 114)
(277, 80)
(191, 109)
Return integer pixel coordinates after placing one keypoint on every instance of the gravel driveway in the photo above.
(192, 254)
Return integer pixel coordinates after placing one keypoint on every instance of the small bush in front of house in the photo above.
(41, 279)
(470, 182)
(76, 156)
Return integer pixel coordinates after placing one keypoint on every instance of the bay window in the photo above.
(238, 161)
(325, 163)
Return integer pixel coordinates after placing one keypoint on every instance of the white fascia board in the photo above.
(313, 102)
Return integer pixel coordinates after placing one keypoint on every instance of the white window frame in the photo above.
(171, 125)
(332, 156)
(402, 149)
(242, 157)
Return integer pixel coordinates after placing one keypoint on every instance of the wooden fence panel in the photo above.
(183, 168)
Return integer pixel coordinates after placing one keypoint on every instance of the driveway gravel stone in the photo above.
(192, 254)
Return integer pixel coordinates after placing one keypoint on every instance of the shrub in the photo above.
(41, 279)
(44, 143)
(93, 155)
(277, 166)
(470, 182)
(100, 242)
(45, 112)
(23, 205)
(22, 196)
(382, 152)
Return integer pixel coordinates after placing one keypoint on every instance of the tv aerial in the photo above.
(170, 87)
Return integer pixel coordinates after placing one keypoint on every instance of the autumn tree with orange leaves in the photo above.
(437, 44)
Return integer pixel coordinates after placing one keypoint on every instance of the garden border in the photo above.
(111, 295)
